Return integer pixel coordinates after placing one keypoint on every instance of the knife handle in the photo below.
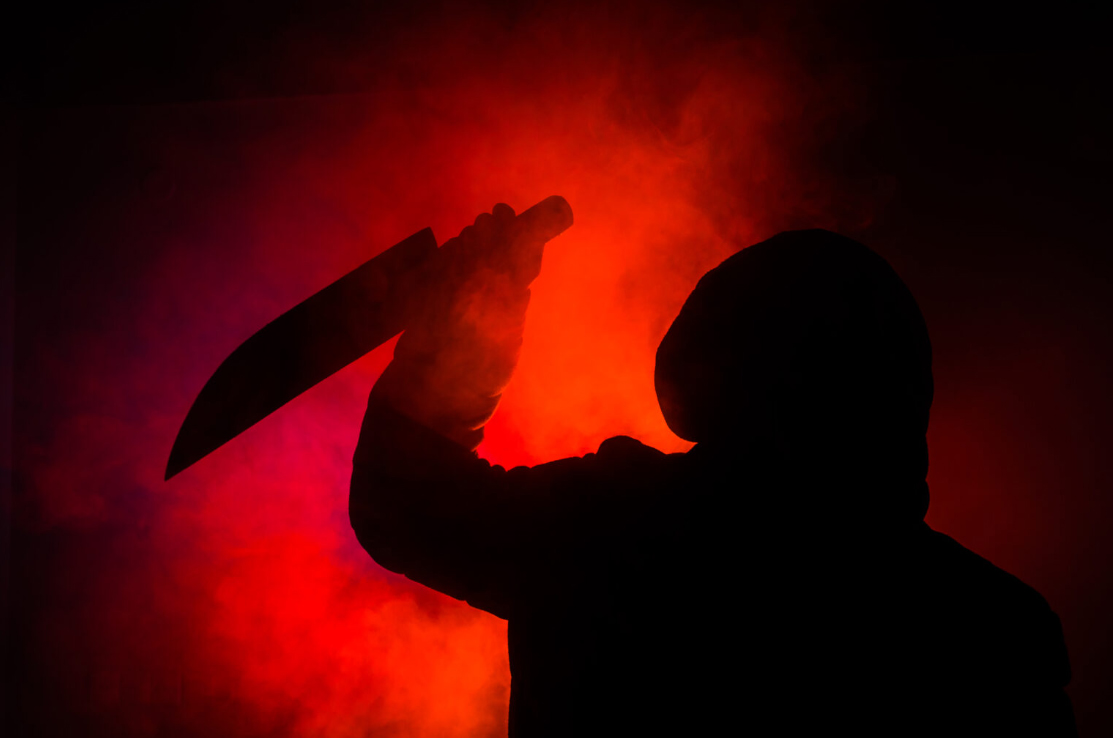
(548, 218)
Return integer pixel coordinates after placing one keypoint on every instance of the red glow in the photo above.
(237, 593)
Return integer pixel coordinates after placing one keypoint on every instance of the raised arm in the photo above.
(424, 505)
(453, 362)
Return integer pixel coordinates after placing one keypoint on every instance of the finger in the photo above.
(484, 222)
(482, 233)
(467, 235)
(503, 224)
(507, 229)
(490, 235)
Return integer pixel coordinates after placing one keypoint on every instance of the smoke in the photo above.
(234, 600)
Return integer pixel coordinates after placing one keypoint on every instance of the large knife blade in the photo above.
(320, 336)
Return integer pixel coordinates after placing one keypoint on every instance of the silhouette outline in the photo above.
(776, 578)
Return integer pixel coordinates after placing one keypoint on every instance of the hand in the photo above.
(452, 364)
(498, 243)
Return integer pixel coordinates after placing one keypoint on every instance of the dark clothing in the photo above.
(777, 579)
(654, 594)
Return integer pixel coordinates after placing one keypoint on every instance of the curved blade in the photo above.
(320, 336)
(301, 347)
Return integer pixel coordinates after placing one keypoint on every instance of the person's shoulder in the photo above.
(976, 576)
(1003, 614)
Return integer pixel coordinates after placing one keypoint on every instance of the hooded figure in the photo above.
(778, 577)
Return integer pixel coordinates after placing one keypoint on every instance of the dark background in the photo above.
(984, 131)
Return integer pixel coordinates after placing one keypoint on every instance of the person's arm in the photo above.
(425, 507)
(422, 503)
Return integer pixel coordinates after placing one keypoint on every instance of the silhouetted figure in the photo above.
(777, 579)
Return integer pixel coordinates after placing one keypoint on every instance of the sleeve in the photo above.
(425, 507)
(421, 502)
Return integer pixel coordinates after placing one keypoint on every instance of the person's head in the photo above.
(809, 346)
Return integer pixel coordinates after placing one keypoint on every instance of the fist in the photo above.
(497, 244)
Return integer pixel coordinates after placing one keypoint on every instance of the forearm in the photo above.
(404, 477)
(424, 506)
(450, 370)
(415, 460)
(422, 503)
(459, 352)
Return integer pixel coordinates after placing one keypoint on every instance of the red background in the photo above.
(185, 175)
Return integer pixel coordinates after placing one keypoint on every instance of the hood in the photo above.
(809, 347)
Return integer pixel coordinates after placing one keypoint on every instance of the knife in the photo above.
(321, 335)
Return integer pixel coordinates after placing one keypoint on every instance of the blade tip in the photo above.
(175, 464)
